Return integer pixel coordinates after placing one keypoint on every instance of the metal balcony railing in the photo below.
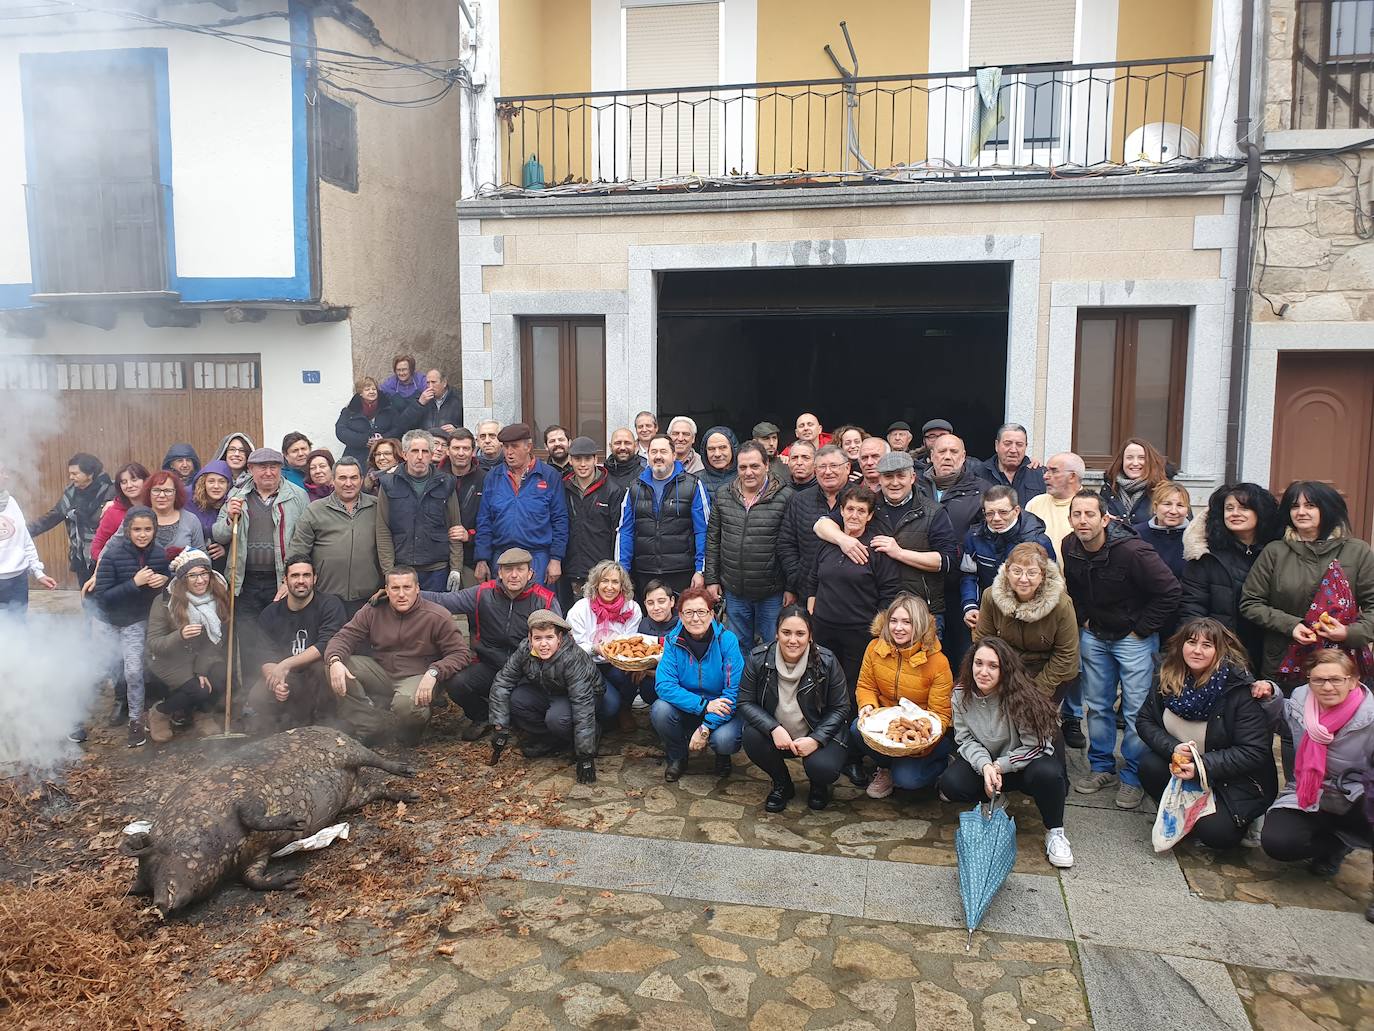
(1019, 120)
(1333, 65)
(99, 237)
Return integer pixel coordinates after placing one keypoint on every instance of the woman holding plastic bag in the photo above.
(1203, 699)
(1319, 815)
(903, 661)
(1004, 728)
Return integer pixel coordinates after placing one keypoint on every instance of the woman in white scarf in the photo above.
(187, 644)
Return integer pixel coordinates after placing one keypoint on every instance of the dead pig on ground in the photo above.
(226, 819)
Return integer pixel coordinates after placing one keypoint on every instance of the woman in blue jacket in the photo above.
(697, 681)
(132, 569)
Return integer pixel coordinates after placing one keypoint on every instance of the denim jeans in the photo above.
(675, 729)
(14, 594)
(1071, 705)
(913, 773)
(748, 618)
(1130, 662)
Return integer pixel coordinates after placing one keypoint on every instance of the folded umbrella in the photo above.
(985, 846)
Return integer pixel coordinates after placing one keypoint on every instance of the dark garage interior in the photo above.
(864, 345)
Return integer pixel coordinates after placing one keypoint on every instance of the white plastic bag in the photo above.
(1183, 803)
(320, 839)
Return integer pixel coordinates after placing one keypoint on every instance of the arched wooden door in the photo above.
(1324, 427)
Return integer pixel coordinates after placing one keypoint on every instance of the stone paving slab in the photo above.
(1259, 936)
(1028, 904)
(1113, 847)
(1176, 992)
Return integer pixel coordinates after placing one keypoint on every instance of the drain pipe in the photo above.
(1240, 320)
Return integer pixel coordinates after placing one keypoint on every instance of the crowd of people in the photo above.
(794, 592)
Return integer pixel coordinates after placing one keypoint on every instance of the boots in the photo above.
(159, 725)
(782, 793)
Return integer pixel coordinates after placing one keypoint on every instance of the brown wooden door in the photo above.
(120, 409)
(1324, 427)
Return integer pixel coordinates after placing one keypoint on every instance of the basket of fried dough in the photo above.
(901, 730)
(633, 654)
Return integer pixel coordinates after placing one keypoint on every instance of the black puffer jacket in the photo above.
(1239, 760)
(593, 517)
(569, 673)
(822, 695)
(742, 543)
(354, 429)
(123, 602)
(1212, 582)
(797, 540)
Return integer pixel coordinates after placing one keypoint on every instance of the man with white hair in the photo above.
(682, 431)
(1063, 479)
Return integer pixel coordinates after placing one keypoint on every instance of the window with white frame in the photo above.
(1011, 34)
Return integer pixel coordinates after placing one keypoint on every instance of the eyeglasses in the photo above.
(236, 451)
(165, 491)
(201, 575)
(1320, 682)
(695, 614)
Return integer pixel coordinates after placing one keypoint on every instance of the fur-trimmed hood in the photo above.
(1195, 540)
(1038, 607)
(916, 653)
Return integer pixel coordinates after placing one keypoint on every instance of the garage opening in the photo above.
(866, 345)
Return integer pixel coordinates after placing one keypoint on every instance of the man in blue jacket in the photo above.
(522, 507)
(987, 544)
(663, 520)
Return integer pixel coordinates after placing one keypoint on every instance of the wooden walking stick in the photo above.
(229, 735)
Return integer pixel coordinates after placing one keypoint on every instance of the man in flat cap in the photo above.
(932, 431)
(522, 507)
(262, 514)
(766, 433)
(899, 436)
(551, 692)
(497, 612)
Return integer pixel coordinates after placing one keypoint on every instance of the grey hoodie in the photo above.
(1347, 757)
(983, 733)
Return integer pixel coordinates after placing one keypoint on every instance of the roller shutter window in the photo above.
(1011, 32)
(673, 133)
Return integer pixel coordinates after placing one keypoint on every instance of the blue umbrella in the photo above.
(985, 845)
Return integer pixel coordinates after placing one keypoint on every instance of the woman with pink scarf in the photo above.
(607, 610)
(1319, 816)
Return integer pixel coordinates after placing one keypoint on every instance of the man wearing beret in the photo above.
(522, 507)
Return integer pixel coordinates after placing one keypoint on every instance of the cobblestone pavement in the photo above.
(592, 916)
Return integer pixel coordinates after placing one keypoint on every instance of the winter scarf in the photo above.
(699, 646)
(370, 407)
(1194, 703)
(1130, 491)
(945, 482)
(202, 609)
(607, 613)
(1319, 730)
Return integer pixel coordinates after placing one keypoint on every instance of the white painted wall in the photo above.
(284, 348)
(230, 110)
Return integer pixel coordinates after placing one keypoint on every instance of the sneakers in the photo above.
(1129, 796)
(1253, 832)
(1095, 782)
(1073, 732)
(77, 735)
(1057, 849)
(881, 784)
(138, 737)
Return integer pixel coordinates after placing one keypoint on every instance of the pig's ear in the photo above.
(139, 844)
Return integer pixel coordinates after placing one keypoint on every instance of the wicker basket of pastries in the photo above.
(634, 654)
(901, 730)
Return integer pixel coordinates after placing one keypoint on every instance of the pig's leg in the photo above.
(362, 794)
(255, 875)
(360, 756)
(253, 815)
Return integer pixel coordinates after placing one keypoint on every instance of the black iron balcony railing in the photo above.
(1333, 58)
(99, 237)
(1016, 120)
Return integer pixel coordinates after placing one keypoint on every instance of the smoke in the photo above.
(51, 667)
(30, 422)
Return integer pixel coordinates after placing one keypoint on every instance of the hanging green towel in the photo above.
(987, 109)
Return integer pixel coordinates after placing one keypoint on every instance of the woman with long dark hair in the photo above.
(1203, 697)
(131, 574)
(188, 643)
(1219, 551)
(795, 704)
(129, 479)
(1004, 728)
(209, 491)
(1135, 471)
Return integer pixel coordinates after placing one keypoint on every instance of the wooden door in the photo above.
(1324, 427)
(120, 408)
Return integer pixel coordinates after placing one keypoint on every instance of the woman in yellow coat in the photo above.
(903, 661)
